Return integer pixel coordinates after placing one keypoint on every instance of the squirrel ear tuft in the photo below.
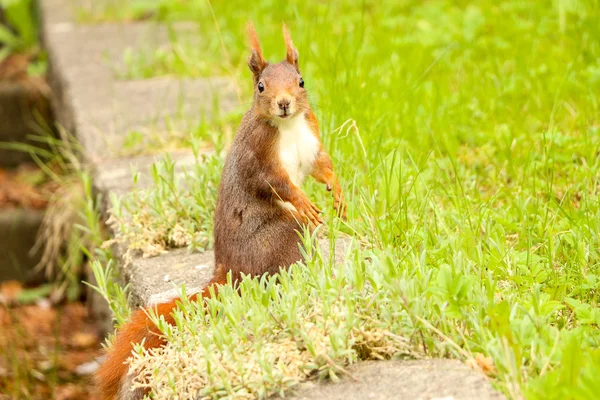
(256, 61)
(291, 55)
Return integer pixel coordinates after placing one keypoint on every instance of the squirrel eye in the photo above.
(261, 87)
(301, 82)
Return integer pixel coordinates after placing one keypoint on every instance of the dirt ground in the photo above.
(48, 348)
(46, 351)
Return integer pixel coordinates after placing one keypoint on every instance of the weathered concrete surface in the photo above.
(100, 109)
(22, 105)
(116, 176)
(18, 230)
(404, 380)
(159, 279)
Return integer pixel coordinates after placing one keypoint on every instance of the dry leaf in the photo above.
(482, 363)
(83, 340)
(70, 391)
(9, 291)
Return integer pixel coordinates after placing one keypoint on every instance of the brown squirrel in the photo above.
(260, 204)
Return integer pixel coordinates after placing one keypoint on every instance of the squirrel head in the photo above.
(279, 91)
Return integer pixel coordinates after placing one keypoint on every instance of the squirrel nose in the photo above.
(283, 104)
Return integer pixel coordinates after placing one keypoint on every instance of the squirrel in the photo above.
(260, 204)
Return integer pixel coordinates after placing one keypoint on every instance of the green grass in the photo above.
(19, 33)
(175, 212)
(469, 150)
(92, 12)
(202, 132)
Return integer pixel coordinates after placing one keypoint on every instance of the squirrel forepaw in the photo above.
(308, 213)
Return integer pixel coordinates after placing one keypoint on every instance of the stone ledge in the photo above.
(100, 109)
(116, 176)
(437, 379)
(159, 279)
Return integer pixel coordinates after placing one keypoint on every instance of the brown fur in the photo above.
(291, 55)
(254, 235)
(256, 61)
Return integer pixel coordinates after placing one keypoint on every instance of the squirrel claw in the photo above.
(308, 213)
(340, 205)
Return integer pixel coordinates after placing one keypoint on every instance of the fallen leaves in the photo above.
(15, 69)
(9, 292)
(46, 351)
(84, 340)
(70, 391)
(23, 187)
(483, 364)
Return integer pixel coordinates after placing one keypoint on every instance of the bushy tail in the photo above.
(111, 374)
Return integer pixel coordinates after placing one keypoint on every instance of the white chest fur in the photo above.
(298, 148)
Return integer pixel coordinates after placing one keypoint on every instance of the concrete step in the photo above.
(403, 380)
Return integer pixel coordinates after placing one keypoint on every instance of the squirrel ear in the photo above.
(291, 55)
(256, 62)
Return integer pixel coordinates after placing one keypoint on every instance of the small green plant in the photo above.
(91, 12)
(20, 32)
(107, 285)
(171, 59)
(212, 131)
(176, 211)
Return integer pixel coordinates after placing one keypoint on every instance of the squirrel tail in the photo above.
(113, 371)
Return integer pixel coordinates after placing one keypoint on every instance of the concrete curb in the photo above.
(436, 379)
